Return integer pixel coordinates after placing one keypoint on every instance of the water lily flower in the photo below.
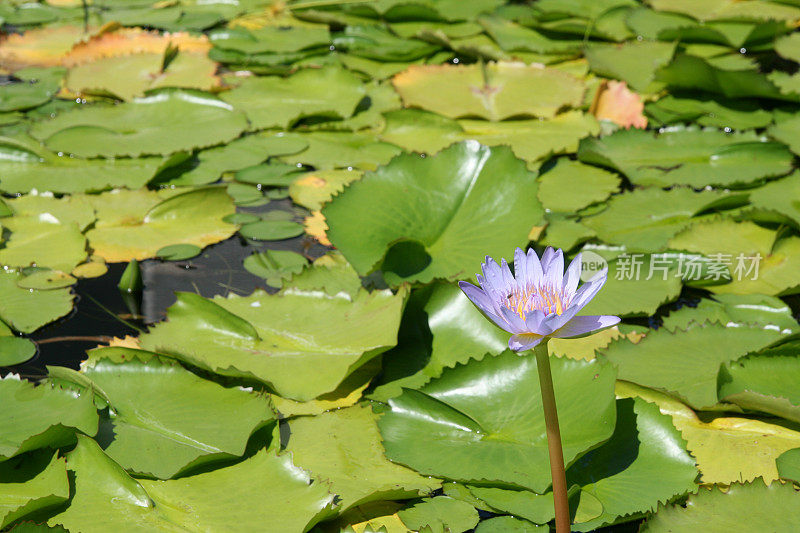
(539, 300)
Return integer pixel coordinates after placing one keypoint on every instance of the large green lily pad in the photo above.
(49, 488)
(106, 498)
(687, 362)
(450, 428)
(434, 234)
(41, 416)
(344, 447)
(727, 449)
(164, 419)
(645, 219)
(643, 464)
(531, 140)
(752, 506)
(688, 156)
(280, 339)
(25, 166)
(162, 123)
(587, 185)
(278, 102)
(764, 384)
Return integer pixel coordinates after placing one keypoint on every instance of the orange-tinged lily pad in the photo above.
(618, 104)
(127, 41)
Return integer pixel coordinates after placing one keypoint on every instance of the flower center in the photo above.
(523, 300)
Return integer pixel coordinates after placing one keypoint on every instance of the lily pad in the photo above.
(752, 506)
(178, 252)
(531, 140)
(737, 114)
(164, 419)
(780, 195)
(329, 150)
(106, 498)
(275, 265)
(15, 350)
(420, 238)
(441, 514)
(763, 383)
(646, 219)
(48, 489)
(587, 184)
(314, 189)
(273, 338)
(727, 449)
(703, 348)
(688, 156)
(495, 92)
(643, 465)
(449, 427)
(44, 415)
(634, 62)
(344, 448)
(27, 166)
(271, 102)
(44, 242)
(26, 310)
(237, 155)
(46, 279)
(193, 217)
(162, 123)
(271, 230)
(130, 76)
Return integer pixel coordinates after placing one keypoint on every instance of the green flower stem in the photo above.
(557, 472)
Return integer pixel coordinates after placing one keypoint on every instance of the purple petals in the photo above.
(533, 321)
(515, 322)
(528, 302)
(483, 302)
(534, 267)
(554, 271)
(572, 277)
(521, 271)
(581, 325)
(589, 289)
(492, 276)
(524, 341)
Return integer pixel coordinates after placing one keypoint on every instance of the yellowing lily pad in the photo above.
(130, 76)
(494, 92)
(194, 217)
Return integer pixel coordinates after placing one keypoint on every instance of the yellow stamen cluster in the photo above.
(523, 300)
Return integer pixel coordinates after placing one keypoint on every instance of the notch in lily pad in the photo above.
(178, 252)
(45, 279)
